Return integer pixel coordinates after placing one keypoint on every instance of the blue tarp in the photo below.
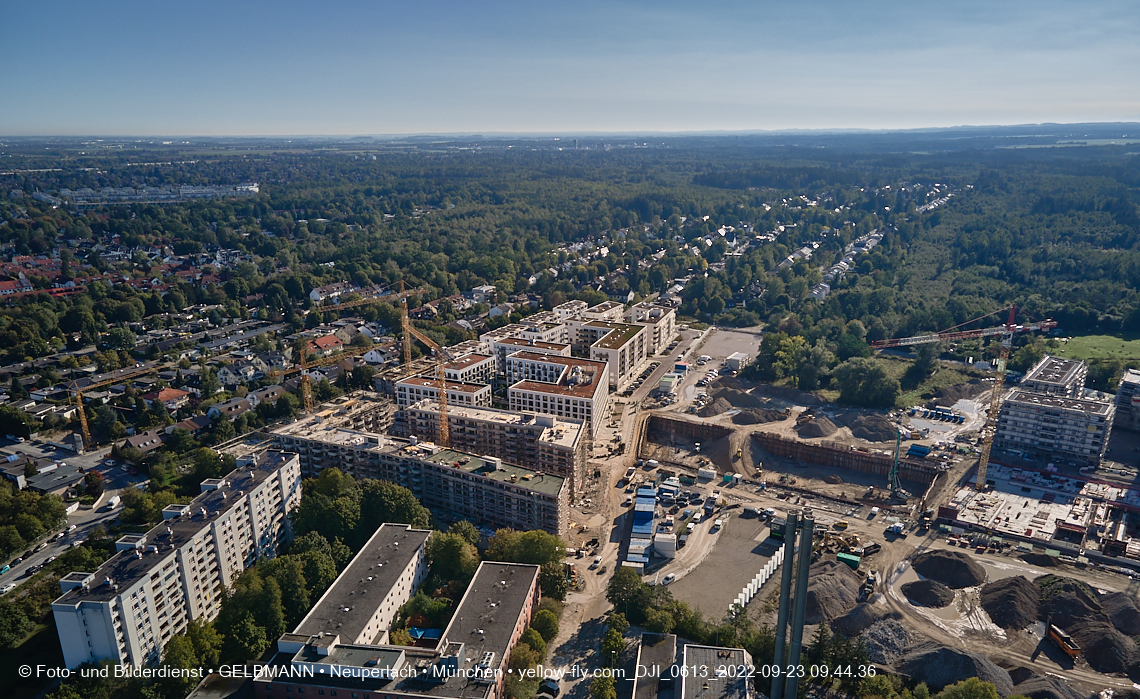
(416, 632)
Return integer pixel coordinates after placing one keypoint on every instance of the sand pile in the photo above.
(928, 593)
(757, 416)
(952, 394)
(1076, 608)
(1039, 687)
(718, 406)
(939, 666)
(1011, 603)
(819, 427)
(858, 619)
(1122, 612)
(953, 569)
(738, 398)
(873, 428)
(833, 590)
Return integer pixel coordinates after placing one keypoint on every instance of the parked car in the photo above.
(7, 588)
(668, 578)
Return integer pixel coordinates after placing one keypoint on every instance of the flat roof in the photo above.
(582, 390)
(485, 619)
(1061, 402)
(125, 568)
(566, 431)
(523, 342)
(360, 589)
(544, 483)
(619, 335)
(457, 386)
(717, 684)
(467, 361)
(569, 362)
(1054, 370)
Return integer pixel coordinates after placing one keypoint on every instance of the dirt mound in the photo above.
(859, 619)
(833, 480)
(1122, 612)
(1038, 687)
(1011, 603)
(873, 428)
(718, 406)
(886, 640)
(738, 398)
(928, 593)
(819, 427)
(757, 416)
(1077, 609)
(952, 394)
(1041, 560)
(939, 666)
(833, 590)
(953, 569)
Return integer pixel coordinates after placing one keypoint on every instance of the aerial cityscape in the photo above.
(613, 354)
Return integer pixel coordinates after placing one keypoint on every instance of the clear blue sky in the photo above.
(205, 67)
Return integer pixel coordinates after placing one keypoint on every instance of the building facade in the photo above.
(417, 388)
(1057, 377)
(158, 582)
(1128, 401)
(572, 388)
(1053, 427)
(661, 322)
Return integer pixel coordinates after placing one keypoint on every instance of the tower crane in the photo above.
(1007, 331)
(440, 371)
(77, 396)
(304, 366)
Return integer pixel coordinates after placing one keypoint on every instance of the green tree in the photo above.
(245, 640)
(534, 639)
(603, 687)
(120, 339)
(452, 557)
(383, 501)
(618, 622)
(467, 530)
(289, 572)
(546, 623)
(972, 688)
(612, 645)
(178, 653)
(206, 640)
(864, 381)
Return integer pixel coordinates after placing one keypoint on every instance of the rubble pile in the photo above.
(953, 569)
(928, 593)
(819, 427)
(938, 666)
(833, 590)
(1011, 602)
(886, 640)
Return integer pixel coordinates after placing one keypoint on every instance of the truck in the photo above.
(113, 502)
(1064, 641)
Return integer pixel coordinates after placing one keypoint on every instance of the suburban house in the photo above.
(171, 398)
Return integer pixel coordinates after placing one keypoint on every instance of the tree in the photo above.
(603, 687)
(383, 501)
(625, 589)
(451, 557)
(206, 640)
(618, 622)
(972, 688)
(546, 624)
(467, 530)
(612, 645)
(120, 338)
(179, 653)
(864, 381)
(14, 624)
(245, 640)
(289, 573)
(534, 639)
(523, 657)
(93, 483)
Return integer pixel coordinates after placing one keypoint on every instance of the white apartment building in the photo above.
(504, 347)
(1053, 427)
(611, 311)
(1128, 401)
(416, 388)
(158, 582)
(623, 346)
(1056, 377)
(661, 321)
(386, 573)
(471, 368)
(563, 386)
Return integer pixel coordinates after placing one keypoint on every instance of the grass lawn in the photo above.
(40, 647)
(1096, 347)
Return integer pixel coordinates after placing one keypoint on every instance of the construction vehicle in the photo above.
(867, 589)
(1064, 641)
(1006, 332)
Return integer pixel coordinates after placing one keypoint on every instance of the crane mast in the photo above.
(440, 371)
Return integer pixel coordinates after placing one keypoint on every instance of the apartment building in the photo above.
(1056, 377)
(416, 388)
(567, 387)
(1128, 401)
(178, 571)
(505, 347)
(468, 662)
(546, 443)
(471, 369)
(610, 311)
(660, 321)
(466, 486)
(1054, 427)
(385, 574)
(621, 345)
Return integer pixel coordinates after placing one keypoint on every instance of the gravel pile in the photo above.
(953, 569)
(873, 428)
(1122, 612)
(833, 590)
(758, 416)
(819, 427)
(886, 640)
(1038, 687)
(1076, 608)
(715, 408)
(938, 666)
(1011, 603)
(858, 619)
(833, 480)
(928, 593)
(738, 398)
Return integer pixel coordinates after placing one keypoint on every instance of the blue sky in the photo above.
(121, 67)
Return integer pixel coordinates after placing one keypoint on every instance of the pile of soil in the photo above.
(886, 640)
(1041, 560)
(872, 428)
(833, 480)
(953, 569)
(1039, 687)
(819, 427)
(858, 619)
(952, 394)
(833, 590)
(715, 408)
(928, 593)
(938, 666)
(1122, 612)
(757, 416)
(1076, 608)
(1011, 603)
(739, 399)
